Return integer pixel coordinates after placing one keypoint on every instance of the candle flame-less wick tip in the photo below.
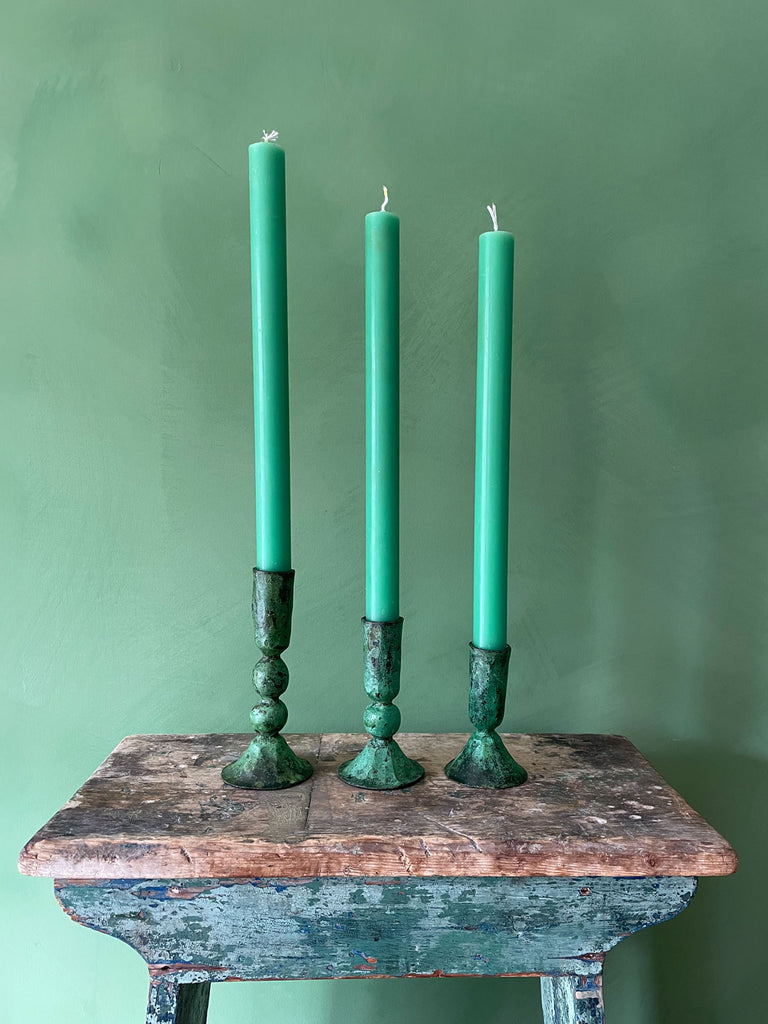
(386, 199)
(269, 136)
(492, 210)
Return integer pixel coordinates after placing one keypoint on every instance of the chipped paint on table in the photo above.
(572, 999)
(171, 1002)
(208, 883)
(224, 929)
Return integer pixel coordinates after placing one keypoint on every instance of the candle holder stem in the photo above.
(485, 763)
(269, 763)
(381, 764)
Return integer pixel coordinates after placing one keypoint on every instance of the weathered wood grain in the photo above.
(592, 806)
(236, 929)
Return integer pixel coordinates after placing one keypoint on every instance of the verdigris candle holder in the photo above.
(485, 763)
(381, 764)
(269, 763)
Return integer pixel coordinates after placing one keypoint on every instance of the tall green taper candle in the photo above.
(382, 415)
(494, 370)
(270, 354)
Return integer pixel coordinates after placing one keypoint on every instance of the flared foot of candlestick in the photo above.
(268, 763)
(381, 764)
(485, 763)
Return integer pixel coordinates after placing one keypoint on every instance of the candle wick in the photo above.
(269, 136)
(386, 199)
(492, 210)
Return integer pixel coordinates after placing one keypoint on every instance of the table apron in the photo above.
(224, 929)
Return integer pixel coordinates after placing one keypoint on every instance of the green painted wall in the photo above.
(625, 144)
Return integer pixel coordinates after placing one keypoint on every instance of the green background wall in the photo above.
(625, 144)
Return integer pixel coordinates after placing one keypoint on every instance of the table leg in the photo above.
(174, 1002)
(573, 999)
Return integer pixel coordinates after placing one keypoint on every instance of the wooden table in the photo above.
(210, 883)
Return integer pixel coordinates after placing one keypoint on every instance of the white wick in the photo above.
(386, 199)
(269, 136)
(492, 210)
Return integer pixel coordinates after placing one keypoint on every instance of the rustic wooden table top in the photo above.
(157, 807)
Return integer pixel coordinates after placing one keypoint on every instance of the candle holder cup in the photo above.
(269, 763)
(485, 763)
(381, 764)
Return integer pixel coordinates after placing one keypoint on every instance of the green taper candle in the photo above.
(494, 377)
(270, 354)
(382, 415)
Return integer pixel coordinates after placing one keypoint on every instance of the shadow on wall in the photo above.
(701, 971)
(447, 1000)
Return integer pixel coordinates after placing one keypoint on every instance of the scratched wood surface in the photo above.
(157, 807)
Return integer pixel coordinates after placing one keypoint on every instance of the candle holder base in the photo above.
(381, 764)
(269, 763)
(485, 763)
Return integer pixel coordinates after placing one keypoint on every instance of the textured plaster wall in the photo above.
(625, 144)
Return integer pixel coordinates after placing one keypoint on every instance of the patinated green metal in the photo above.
(485, 763)
(269, 763)
(381, 764)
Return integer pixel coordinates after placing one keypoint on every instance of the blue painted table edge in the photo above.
(192, 932)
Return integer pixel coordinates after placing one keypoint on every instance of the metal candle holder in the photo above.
(485, 763)
(269, 763)
(381, 764)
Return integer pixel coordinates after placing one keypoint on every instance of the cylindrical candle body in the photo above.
(494, 375)
(270, 356)
(382, 415)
